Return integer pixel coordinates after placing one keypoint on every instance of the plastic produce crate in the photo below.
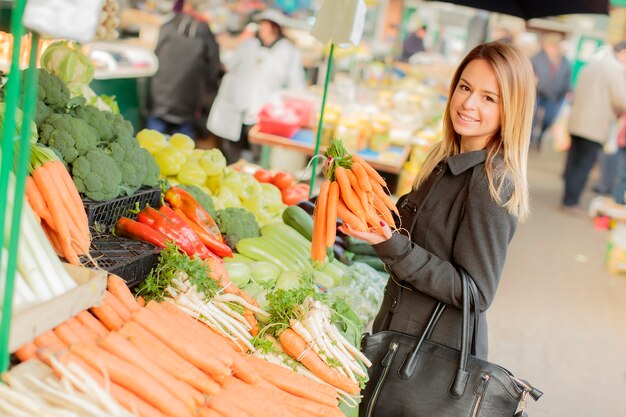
(129, 259)
(106, 213)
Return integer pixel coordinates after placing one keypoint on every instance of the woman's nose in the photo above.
(470, 102)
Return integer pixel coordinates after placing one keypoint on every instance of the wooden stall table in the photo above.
(390, 161)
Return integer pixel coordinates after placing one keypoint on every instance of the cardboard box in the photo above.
(33, 321)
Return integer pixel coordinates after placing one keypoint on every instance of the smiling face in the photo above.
(475, 106)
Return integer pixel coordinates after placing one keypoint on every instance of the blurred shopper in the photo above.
(413, 43)
(619, 189)
(189, 72)
(553, 74)
(260, 67)
(599, 97)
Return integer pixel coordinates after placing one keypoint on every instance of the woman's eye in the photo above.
(464, 87)
(488, 98)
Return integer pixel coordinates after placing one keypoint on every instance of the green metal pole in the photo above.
(321, 121)
(12, 100)
(30, 97)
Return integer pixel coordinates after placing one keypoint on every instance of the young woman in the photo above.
(466, 201)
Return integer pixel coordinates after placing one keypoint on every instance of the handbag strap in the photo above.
(462, 376)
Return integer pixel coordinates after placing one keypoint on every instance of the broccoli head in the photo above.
(120, 126)
(130, 159)
(72, 137)
(153, 173)
(97, 119)
(96, 175)
(43, 112)
(52, 91)
(237, 223)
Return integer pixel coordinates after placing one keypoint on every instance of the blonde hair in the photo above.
(516, 80)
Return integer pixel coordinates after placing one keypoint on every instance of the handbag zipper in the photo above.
(480, 391)
(387, 361)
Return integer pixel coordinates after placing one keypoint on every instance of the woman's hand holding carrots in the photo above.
(355, 193)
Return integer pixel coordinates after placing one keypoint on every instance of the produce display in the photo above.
(252, 296)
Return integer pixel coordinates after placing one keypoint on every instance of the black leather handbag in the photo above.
(415, 377)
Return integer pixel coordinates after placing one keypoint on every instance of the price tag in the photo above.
(340, 21)
(67, 19)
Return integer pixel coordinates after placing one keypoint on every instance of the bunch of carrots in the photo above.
(160, 362)
(352, 191)
(55, 200)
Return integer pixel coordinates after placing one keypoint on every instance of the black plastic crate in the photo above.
(129, 259)
(106, 213)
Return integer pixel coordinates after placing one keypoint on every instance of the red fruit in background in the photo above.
(292, 195)
(263, 175)
(283, 180)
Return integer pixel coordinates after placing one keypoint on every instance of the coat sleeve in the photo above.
(480, 248)
(618, 91)
(295, 76)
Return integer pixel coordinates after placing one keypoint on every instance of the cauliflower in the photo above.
(72, 137)
(96, 175)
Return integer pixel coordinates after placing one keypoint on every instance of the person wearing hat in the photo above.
(260, 67)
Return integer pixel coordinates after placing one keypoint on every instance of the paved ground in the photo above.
(559, 319)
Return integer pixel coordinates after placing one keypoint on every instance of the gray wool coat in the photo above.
(456, 223)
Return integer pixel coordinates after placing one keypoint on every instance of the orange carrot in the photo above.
(382, 210)
(81, 331)
(37, 202)
(133, 379)
(208, 412)
(359, 192)
(318, 245)
(348, 195)
(167, 359)
(117, 305)
(50, 340)
(296, 347)
(294, 383)
(60, 217)
(371, 172)
(378, 190)
(140, 301)
(331, 213)
(72, 193)
(88, 320)
(244, 371)
(174, 316)
(348, 217)
(124, 397)
(52, 238)
(108, 317)
(182, 343)
(117, 286)
(67, 334)
(252, 321)
(26, 352)
(226, 408)
(123, 348)
(362, 177)
(303, 404)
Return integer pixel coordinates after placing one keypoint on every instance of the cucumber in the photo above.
(300, 220)
(373, 261)
(359, 247)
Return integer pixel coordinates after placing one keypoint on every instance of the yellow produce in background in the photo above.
(152, 140)
(170, 160)
(183, 143)
(192, 174)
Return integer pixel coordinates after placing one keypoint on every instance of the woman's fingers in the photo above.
(370, 237)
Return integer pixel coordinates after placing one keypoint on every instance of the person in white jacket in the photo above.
(260, 67)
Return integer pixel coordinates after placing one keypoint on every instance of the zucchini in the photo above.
(261, 249)
(360, 247)
(300, 220)
(373, 261)
(237, 257)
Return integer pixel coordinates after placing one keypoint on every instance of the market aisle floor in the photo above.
(559, 319)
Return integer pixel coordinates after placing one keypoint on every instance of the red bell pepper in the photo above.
(159, 222)
(131, 229)
(200, 232)
(184, 230)
(181, 199)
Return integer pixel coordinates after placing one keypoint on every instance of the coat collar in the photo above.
(463, 161)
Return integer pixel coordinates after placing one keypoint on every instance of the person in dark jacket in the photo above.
(188, 74)
(466, 201)
(413, 43)
(553, 74)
